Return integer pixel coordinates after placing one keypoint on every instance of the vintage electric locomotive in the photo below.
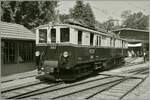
(69, 51)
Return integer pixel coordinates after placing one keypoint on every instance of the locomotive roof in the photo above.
(81, 28)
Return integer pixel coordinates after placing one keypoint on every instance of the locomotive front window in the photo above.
(64, 34)
(42, 35)
(53, 35)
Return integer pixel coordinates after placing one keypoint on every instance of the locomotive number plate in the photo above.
(52, 47)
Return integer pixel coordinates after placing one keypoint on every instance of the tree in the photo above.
(89, 16)
(136, 20)
(28, 13)
(83, 13)
(77, 12)
(125, 14)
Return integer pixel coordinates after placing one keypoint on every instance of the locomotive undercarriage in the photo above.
(80, 70)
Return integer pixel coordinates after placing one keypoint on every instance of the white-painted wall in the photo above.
(94, 41)
(57, 34)
(85, 38)
(37, 36)
(73, 36)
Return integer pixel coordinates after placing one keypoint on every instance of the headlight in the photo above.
(65, 54)
(42, 68)
(37, 53)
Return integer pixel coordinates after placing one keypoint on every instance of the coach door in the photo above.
(53, 35)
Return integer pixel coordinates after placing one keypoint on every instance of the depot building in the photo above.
(138, 40)
(17, 48)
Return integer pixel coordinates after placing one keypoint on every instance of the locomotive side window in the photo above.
(42, 35)
(64, 32)
(114, 42)
(53, 35)
(91, 38)
(99, 40)
(79, 37)
(110, 42)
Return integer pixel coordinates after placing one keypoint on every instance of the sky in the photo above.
(103, 10)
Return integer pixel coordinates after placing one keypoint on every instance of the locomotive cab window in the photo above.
(53, 35)
(64, 34)
(79, 37)
(42, 35)
(91, 38)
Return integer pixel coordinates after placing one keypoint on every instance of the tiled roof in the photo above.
(15, 31)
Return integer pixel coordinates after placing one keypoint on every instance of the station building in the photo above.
(17, 48)
(138, 40)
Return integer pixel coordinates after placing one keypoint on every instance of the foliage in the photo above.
(83, 13)
(136, 20)
(28, 13)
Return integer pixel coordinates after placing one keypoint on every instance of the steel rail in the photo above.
(142, 79)
(37, 92)
(26, 93)
(87, 89)
(105, 89)
(8, 89)
(133, 87)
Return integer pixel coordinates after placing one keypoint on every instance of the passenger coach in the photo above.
(69, 51)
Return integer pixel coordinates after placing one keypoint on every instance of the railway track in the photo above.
(111, 89)
(53, 88)
(103, 85)
(86, 89)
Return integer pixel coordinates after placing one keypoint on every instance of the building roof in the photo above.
(15, 31)
(131, 29)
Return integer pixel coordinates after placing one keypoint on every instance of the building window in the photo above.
(64, 32)
(18, 51)
(53, 35)
(91, 38)
(42, 35)
(79, 37)
(9, 52)
(26, 52)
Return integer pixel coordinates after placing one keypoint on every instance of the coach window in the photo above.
(53, 35)
(64, 34)
(79, 37)
(91, 38)
(42, 35)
